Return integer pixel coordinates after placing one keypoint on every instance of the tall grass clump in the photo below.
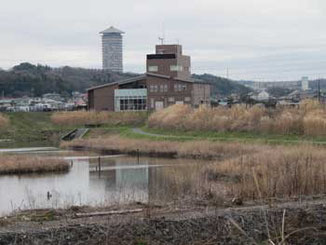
(276, 173)
(78, 118)
(4, 121)
(172, 117)
(308, 119)
(27, 164)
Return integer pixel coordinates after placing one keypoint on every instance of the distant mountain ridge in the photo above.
(27, 79)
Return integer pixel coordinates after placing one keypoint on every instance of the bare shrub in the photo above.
(98, 118)
(26, 164)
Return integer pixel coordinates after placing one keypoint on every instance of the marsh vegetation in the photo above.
(308, 119)
(13, 164)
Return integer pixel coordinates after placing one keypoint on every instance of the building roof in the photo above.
(125, 81)
(144, 76)
(111, 30)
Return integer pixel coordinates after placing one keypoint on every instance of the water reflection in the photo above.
(122, 180)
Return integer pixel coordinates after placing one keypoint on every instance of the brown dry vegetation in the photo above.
(97, 118)
(26, 164)
(191, 149)
(279, 172)
(309, 119)
(274, 172)
(4, 121)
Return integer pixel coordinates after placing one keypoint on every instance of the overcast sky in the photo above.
(255, 39)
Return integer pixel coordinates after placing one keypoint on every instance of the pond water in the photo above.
(122, 180)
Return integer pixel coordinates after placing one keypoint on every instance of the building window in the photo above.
(133, 103)
(153, 68)
(161, 88)
(171, 99)
(165, 87)
(176, 68)
(153, 88)
(180, 87)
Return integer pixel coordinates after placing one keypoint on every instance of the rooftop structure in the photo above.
(112, 52)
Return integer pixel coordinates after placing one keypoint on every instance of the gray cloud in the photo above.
(256, 39)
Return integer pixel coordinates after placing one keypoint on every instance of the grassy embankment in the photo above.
(28, 164)
(26, 129)
(104, 119)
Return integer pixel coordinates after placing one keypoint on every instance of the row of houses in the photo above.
(167, 81)
(48, 102)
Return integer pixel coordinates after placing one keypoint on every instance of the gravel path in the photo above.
(246, 225)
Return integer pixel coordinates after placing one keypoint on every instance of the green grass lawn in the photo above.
(31, 129)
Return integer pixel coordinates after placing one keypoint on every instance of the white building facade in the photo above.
(112, 49)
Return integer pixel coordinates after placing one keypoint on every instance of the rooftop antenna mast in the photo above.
(162, 38)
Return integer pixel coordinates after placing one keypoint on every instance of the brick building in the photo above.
(167, 81)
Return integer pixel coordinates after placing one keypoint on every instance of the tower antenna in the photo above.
(161, 40)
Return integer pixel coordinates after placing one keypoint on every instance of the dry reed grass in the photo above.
(26, 164)
(4, 121)
(309, 119)
(98, 118)
(190, 149)
(275, 172)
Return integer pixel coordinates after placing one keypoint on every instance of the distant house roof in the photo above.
(111, 30)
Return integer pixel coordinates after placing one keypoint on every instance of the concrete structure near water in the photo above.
(112, 50)
(167, 81)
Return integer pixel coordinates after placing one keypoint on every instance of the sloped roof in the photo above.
(111, 30)
(129, 80)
